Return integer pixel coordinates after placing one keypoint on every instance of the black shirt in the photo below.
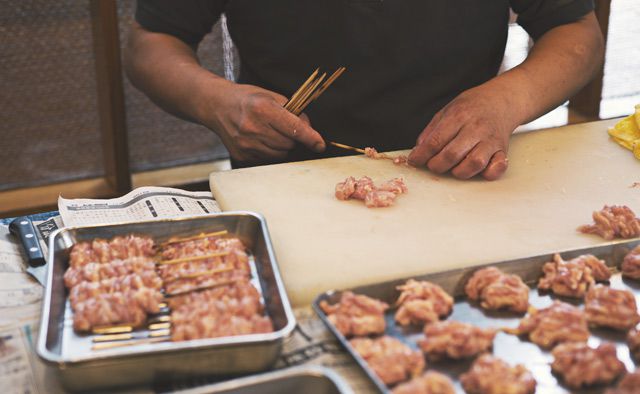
(405, 59)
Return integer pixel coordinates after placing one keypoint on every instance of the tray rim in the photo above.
(163, 347)
(344, 342)
(315, 370)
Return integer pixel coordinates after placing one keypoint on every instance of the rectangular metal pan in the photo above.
(80, 368)
(510, 348)
(306, 379)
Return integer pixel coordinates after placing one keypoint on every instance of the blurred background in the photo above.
(71, 123)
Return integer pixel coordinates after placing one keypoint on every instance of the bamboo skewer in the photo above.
(302, 87)
(304, 99)
(213, 286)
(304, 94)
(119, 329)
(128, 336)
(199, 236)
(192, 258)
(201, 273)
(310, 90)
(161, 318)
(160, 326)
(347, 147)
(110, 345)
(325, 85)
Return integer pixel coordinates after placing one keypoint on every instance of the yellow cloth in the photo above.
(627, 132)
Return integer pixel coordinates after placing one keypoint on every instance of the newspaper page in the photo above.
(17, 288)
(20, 304)
(144, 203)
(313, 344)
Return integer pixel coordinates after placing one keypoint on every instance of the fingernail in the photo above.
(319, 147)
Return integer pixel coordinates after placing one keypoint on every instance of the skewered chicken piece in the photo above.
(398, 160)
(233, 309)
(560, 322)
(497, 290)
(241, 293)
(95, 272)
(390, 359)
(631, 264)
(422, 302)
(122, 284)
(199, 322)
(489, 375)
(203, 246)
(356, 314)
(118, 248)
(581, 366)
(187, 269)
(203, 280)
(611, 308)
(613, 222)
(108, 309)
(455, 340)
(430, 382)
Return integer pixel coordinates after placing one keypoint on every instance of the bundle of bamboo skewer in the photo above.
(309, 91)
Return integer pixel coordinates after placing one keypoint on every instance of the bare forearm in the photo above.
(167, 70)
(560, 63)
(251, 121)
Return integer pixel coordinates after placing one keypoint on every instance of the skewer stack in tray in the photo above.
(164, 309)
(182, 289)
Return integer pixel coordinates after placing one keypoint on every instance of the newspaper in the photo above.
(313, 344)
(17, 288)
(20, 305)
(20, 296)
(144, 203)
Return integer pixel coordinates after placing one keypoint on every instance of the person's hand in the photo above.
(255, 127)
(469, 136)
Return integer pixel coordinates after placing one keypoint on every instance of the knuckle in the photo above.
(460, 173)
(259, 104)
(449, 155)
(477, 163)
(244, 144)
(246, 125)
(288, 144)
(434, 143)
(280, 154)
(434, 167)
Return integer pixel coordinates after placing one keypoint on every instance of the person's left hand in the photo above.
(469, 136)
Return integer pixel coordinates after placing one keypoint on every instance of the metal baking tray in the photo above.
(80, 368)
(510, 348)
(306, 379)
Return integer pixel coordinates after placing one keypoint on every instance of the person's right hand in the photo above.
(255, 127)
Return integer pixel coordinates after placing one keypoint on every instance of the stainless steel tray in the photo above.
(80, 368)
(307, 379)
(508, 347)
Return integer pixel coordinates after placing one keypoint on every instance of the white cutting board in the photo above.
(556, 178)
